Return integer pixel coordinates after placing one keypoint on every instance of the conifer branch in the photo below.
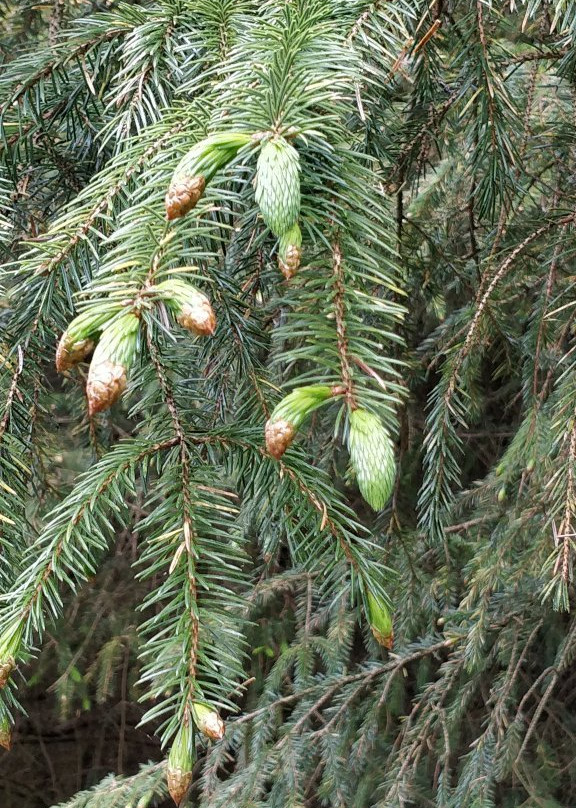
(189, 544)
(59, 61)
(11, 393)
(547, 295)
(82, 230)
(35, 594)
(256, 570)
(498, 275)
(566, 654)
(340, 315)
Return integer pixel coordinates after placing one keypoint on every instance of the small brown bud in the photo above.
(198, 316)
(6, 668)
(279, 435)
(183, 195)
(380, 621)
(181, 759)
(290, 263)
(208, 721)
(385, 640)
(68, 355)
(106, 383)
(178, 783)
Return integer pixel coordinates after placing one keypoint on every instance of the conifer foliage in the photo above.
(296, 275)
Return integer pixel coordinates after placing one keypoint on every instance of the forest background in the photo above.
(387, 221)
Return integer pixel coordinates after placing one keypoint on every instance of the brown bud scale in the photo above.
(290, 265)
(6, 669)
(179, 782)
(68, 355)
(279, 435)
(385, 640)
(213, 727)
(183, 195)
(198, 317)
(6, 739)
(106, 383)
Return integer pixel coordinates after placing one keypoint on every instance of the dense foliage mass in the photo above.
(321, 251)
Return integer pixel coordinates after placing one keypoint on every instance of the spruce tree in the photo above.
(289, 284)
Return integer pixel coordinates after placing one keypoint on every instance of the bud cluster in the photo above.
(278, 197)
(79, 339)
(110, 330)
(112, 359)
(277, 185)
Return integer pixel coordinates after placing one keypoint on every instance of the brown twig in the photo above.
(365, 676)
(483, 302)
